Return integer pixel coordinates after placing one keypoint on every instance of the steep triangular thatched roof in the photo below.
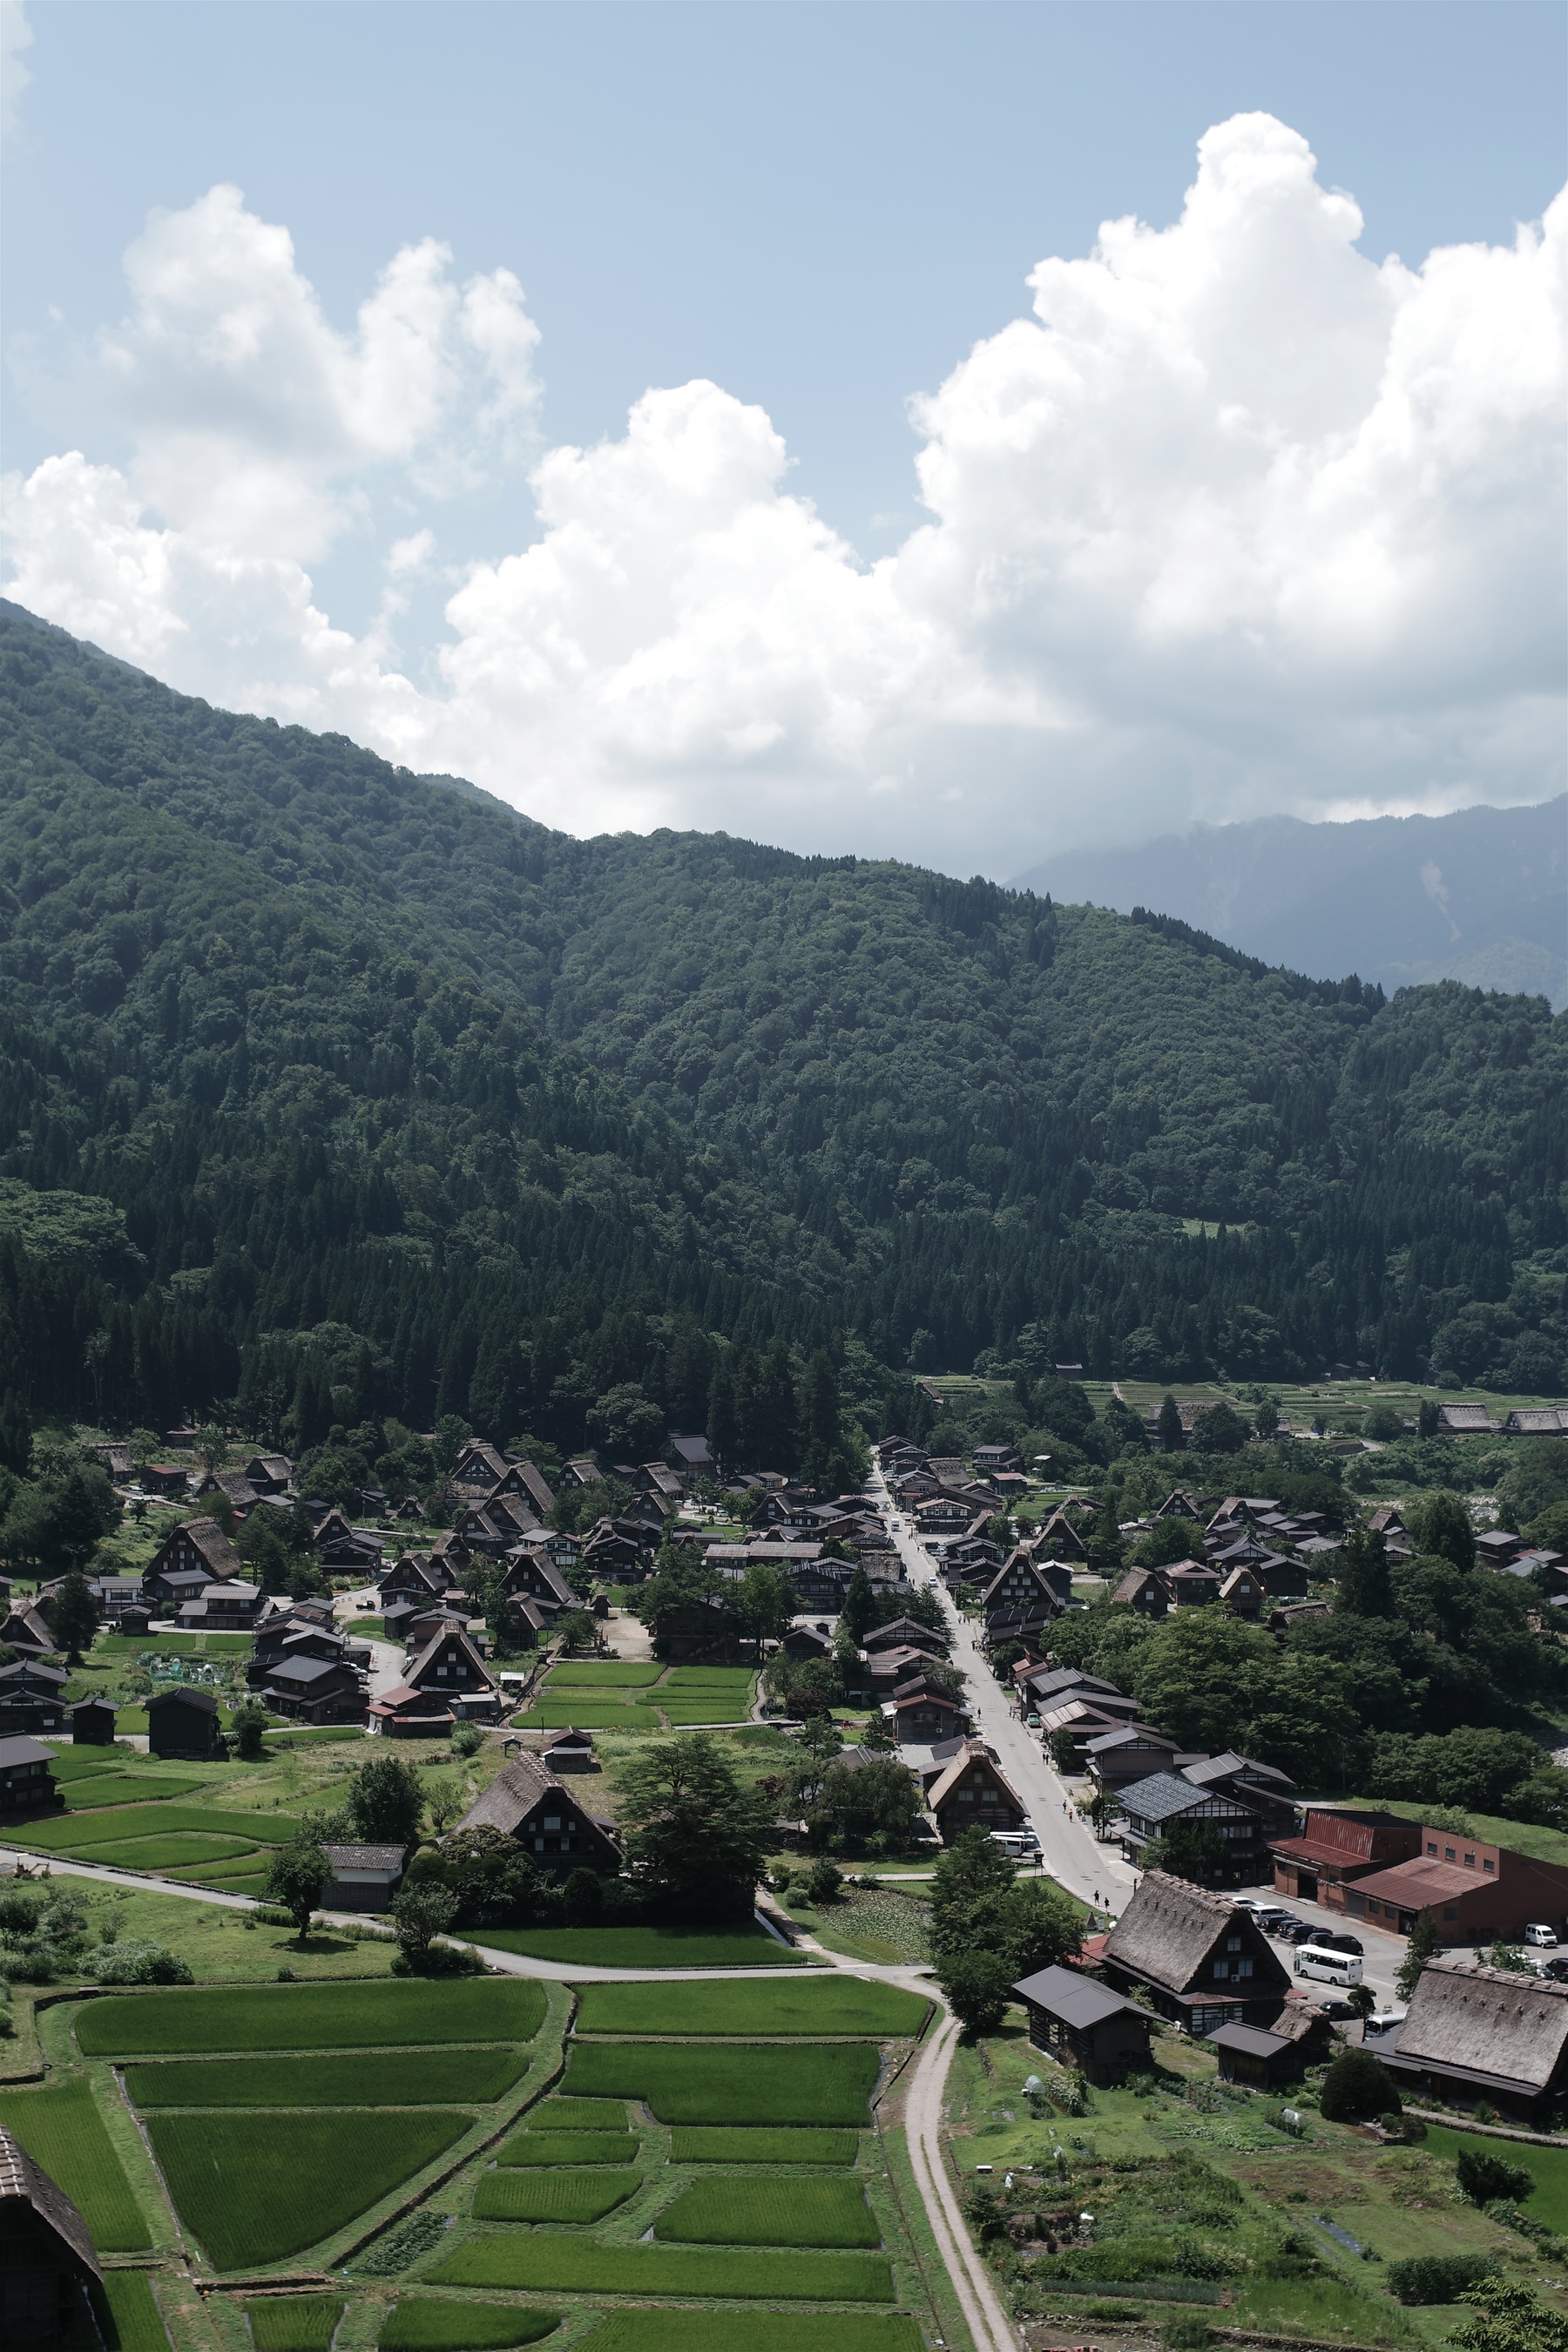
(26, 2186)
(1488, 2021)
(1169, 1928)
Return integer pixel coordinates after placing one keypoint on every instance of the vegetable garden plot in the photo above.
(384, 2014)
(691, 2144)
(439, 2323)
(808, 2082)
(294, 2323)
(255, 2187)
(729, 2211)
(812, 2006)
(765, 2331)
(552, 2195)
(418, 2078)
(553, 2262)
(741, 1946)
(547, 2147)
(605, 1673)
(62, 2130)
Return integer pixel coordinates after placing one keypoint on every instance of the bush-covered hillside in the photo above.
(338, 1062)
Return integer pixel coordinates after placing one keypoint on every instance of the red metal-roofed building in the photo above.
(1336, 1849)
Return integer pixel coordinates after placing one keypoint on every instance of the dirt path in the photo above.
(988, 2323)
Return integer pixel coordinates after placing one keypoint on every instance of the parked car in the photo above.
(1334, 1939)
(1539, 1934)
(1339, 2011)
(1292, 1930)
(1556, 1969)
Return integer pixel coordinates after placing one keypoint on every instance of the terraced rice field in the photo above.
(294, 2323)
(605, 1673)
(764, 2331)
(695, 2144)
(62, 2129)
(128, 2317)
(742, 1946)
(812, 2007)
(346, 2016)
(546, 2148)
(597, 1714)
(549, 2261)
(808, 2082)
(552, 2195)
(417, 2078)
(729, 2211)
(253, 2187)
(577, 2115)
(440, 2323)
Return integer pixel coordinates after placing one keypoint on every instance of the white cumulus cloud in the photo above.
(1237, 520)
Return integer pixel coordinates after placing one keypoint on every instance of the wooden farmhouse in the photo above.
(182, 1723)
(1478, 2033)
(26, 1784)
(1081, 2024)
(974, 1790)
(1204, 1961)
(526, 1801)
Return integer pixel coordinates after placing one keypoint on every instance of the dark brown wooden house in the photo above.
(526, 1801)
(1081, 2024)
(1203, 1962)
(182, 1723)
(47, 2260)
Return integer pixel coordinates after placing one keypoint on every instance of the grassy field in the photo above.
(226, 1945)
(694, 2144)
(812, 2083)
(294, 2323)
(186, 1851)
(128, 2318)
(551, 2262)
(86, 1792)
(542, 2148)
(312, 2017)
(439, 2323)
(691, 1713)
(825, 2004)
(1549, 2166)
(62, 2130)
(731, 2211)
(593, 1715)
(1319, 2307)
(253, 2187)
(552, 2196)
(577, 2115)
(765, 2331)
(747, 1947)
(1523, 1837)
(417, 2078)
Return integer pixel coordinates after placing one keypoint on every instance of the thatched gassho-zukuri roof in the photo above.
(1168, 1929)
(1488, 2021)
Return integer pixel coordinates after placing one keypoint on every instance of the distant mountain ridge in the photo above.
(1480, 896)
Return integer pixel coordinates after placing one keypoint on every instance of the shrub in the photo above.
(1485, 2179)
(1357, 2085)
(1437, 2278)
(468, 1740)
(132, 1960)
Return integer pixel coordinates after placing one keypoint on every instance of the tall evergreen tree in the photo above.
(1365, 1589)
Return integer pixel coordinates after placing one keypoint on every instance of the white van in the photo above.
(1539, 1934)
(1333, 1968)
(1022, 1845)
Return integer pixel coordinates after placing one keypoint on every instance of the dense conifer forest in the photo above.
(340, 1093)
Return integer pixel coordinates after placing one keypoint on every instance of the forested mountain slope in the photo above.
(536, 1117)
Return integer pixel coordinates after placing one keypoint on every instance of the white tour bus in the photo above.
(1322, 1960)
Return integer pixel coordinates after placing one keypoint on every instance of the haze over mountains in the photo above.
(1480, 896)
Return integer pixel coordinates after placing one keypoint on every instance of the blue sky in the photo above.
(821, 210)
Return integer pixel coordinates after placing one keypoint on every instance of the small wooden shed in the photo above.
(1251, 2055)
(1082, 2023)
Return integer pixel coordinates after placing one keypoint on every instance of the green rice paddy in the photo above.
(564, 1714)
(184, 1852)
(294, 2323)
(813, 2006)
(607, 1674)
(128, 2318)
(88, 1792)
(550, 2261)
(694, 2144)
(159, 1821)
(547, 2147)
(810, 2082)
(765, 2331)
(552, 2195)
(741, 1946)
(439, 2323)
(731, 2211)
(62, 2129)
(418, 2078)
(1549, 2165)
(577, 2115)
(708, 1679)
(253, 2187)
(346, 2016)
